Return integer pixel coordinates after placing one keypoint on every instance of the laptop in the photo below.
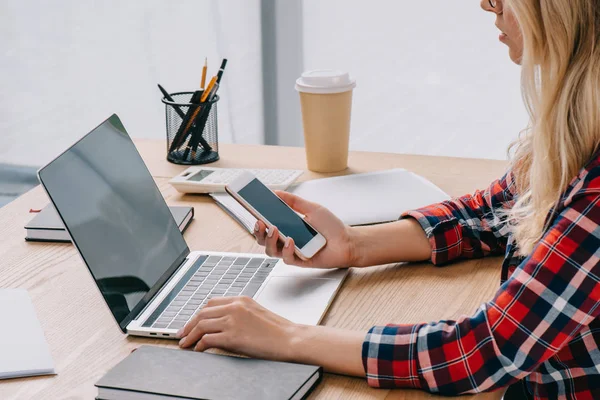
(150, 280)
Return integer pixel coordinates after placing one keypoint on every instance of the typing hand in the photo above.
(240, 325)
(337, 253)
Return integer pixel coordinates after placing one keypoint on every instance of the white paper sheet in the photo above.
(23, 347)
(359, 199)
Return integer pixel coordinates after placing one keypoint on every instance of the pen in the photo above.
(169, 98)
(197, 136)
(181, 134)
(221, 70)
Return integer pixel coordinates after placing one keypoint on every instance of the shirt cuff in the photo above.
(389, 356)
(442, 230)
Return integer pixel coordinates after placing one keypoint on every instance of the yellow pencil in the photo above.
(203, 81)
(208, 89)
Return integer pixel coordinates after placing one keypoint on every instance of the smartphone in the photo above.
(261, 202)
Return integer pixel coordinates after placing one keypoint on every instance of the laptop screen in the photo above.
(116, 217)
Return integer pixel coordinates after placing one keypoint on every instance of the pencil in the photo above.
(208, 89)
(204, 73)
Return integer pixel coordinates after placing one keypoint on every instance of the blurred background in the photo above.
(432, 77)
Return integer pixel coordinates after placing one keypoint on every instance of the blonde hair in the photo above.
(561, 89)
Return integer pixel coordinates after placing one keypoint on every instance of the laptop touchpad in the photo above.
(301, 300)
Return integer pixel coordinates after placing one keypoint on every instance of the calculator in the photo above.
(213, 180)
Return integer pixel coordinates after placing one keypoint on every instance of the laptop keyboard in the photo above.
(210, 276)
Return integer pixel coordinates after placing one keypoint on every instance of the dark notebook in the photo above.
(159, 373)
(46, 226)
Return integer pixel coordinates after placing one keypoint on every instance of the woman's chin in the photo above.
(515, 56)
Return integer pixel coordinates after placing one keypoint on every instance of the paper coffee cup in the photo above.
(326, 101)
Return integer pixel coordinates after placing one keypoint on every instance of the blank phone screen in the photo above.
(277, 212)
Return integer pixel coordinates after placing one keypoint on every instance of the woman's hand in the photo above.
(239, 325)
(337, 253)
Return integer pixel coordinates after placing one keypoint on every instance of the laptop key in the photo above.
(177, 325)
(241, 261)
(251, 289)
(167, 314)
(160, 325)
(255, 262)
(225, 263)
(213, 259)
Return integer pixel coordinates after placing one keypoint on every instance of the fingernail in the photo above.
(256, 227)
(271, 231)
(181, 342)
(180, 332)
(287, 243)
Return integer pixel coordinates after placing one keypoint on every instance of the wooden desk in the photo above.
(85, 341)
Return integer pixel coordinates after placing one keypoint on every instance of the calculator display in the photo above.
(203, 173)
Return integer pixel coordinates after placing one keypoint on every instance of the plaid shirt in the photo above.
(543, 323)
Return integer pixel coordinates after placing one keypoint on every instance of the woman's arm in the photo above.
(402, 240)
(467, 227)
(549, 299)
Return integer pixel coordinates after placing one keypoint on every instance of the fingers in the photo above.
(211, 310)
(297, 203)
(271, 245)
(260, 232)
(288, 255)
(203, 327)
(212, 340)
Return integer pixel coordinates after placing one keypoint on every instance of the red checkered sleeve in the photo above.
(467, 226)
(553, 294)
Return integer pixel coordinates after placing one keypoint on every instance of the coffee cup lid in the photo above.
(324, 81)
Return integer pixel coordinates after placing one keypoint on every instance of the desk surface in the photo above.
(85, 341)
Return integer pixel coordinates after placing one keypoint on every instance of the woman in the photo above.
(543, 324)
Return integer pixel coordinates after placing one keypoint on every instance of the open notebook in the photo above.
(359, 199)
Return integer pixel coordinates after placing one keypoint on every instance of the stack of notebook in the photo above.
(158, 373)
(46, 226)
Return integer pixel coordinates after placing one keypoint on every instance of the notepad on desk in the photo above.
(46, 225)
(23, 347)
(358, 199)
(158, 373)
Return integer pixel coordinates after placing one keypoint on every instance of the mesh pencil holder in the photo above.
(192, 130)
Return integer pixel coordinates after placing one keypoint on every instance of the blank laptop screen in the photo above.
(116, 217)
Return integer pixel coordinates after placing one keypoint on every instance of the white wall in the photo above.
(432, 76)
(67, 65)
